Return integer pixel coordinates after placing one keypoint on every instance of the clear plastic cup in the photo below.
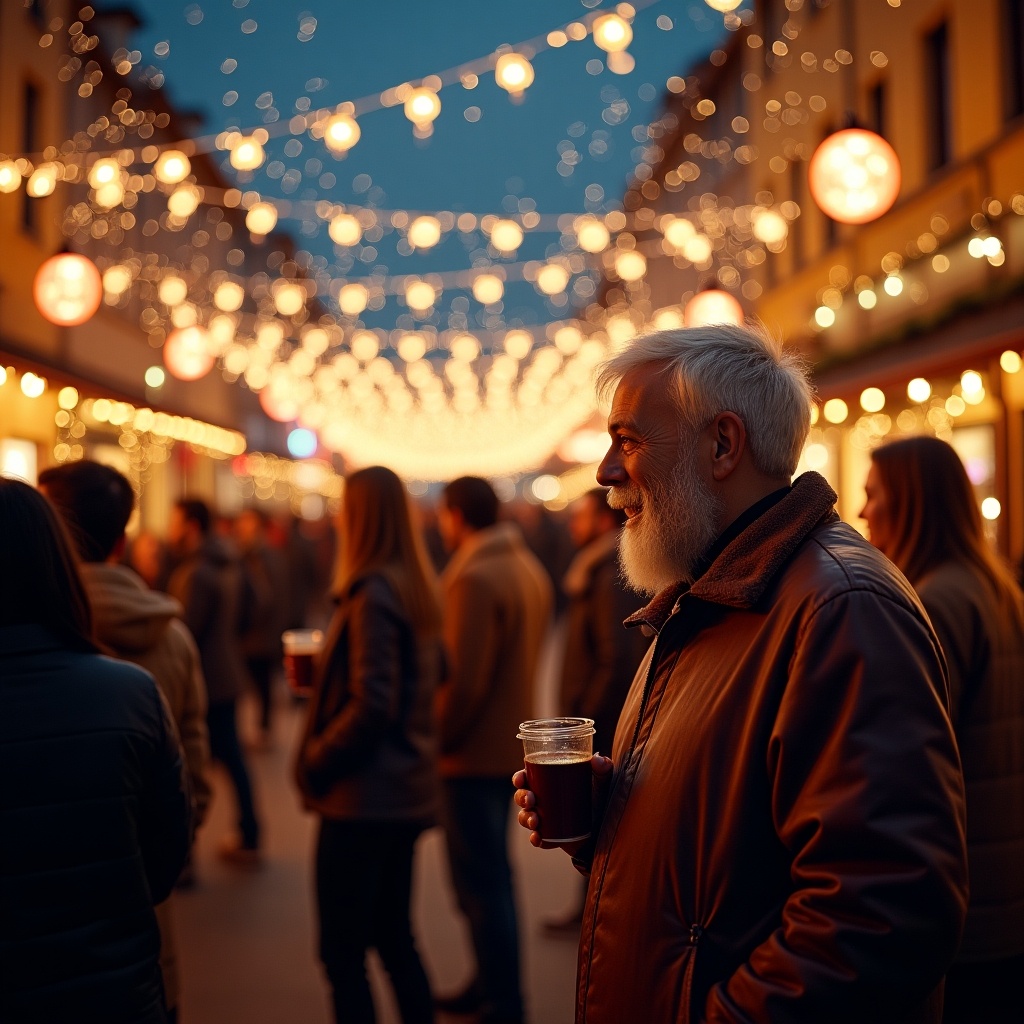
(301, 649)
(557, 755)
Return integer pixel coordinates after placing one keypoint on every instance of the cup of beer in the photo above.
(557, 755)
(301, 648)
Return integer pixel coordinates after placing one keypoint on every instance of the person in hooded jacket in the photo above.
(95, 815)
(208, 583)
(139, 625)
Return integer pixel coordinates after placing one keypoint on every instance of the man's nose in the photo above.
(610, 472)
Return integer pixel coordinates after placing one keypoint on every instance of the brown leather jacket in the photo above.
(783, 842)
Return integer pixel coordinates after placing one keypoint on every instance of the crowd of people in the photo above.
(808, 796)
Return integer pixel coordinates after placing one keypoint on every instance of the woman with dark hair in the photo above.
(94, 807)
(922, 513)
(367, 762)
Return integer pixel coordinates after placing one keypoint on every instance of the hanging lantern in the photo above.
(187, 353)
(514, 73)
(854, 176)
(171, 167)
(712, 306)
(68, 289)
(341, 133)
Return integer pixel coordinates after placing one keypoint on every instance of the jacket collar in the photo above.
(491, 539)
(742, 572)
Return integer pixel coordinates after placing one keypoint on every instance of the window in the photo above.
(29, 140)
(876, 109)
(938, 134)
(1013, 57)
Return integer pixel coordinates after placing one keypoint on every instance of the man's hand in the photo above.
(602, 772)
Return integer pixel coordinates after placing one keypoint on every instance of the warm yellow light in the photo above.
(365, 346)
(229, 296)
(67, 398)
(816, 456)
(867, 299)
(155, 377)
(464, 347)
(345, 229)
(42, 181)
(552, 278)
(518, 344)
(117, 279)
(955, 405)
(698, 249)
(172, 290)
(546, 487)
(341, 133)
(171, 167)
(488, 288)
(1010, 361)
(32, 386)
(67, 289)
(872, 400)
(723, 5)
(412, 347)
(919, 390)
(769, 226)
(893, 285)
(247, 153)
(506, 235)
(103, 172)
(289, 298)
(630, 265)
(352, 298)
(187, 354)
(835, 410)
(261, 218)
(108, 196)
(592, 234)
(513, 72)
(712, 306)
(668, 319)
(612, 33)
(991, 509)
(677, 231)
(420, 295)
(854, 176)
(422, 106)
(425, 232)
(824, 316)
(183, 201)
(971, 382)
(568, 340)
(10, 176)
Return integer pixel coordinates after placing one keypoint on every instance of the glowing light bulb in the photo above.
(591, 234)
(712, 306)
(422, 106)
(67, 289)
(171, 167)
(345, 229)
(854, 176)
(229, 296)
(835, 410)
(552, 278)
(769, 227)
(630, 265)
(261, 218)
(612, 32)
(488, 288)
(425, 232)
(247, 153)
(341, 133)
(919, 390)
(353, 298)
(506, 235)
(513, 72)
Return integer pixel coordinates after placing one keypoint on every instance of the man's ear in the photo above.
(730, 440)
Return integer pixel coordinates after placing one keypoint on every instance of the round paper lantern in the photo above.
(187, 353)
(712, 306)
(854, 176)
(68, 289)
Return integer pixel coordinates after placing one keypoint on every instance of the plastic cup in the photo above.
(301, 648)
(557, 754)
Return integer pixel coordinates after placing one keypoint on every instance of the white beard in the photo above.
(677, 524)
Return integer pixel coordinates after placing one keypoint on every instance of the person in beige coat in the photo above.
(497, 607)
(138, 625)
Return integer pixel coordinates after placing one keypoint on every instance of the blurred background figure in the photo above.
(497, 610)
(266, 619)
(94, 809)
(310, 551)
(139, 625)
(601, 655)
(922, 513)
(367, 764)
(547, 537)
(208, 583)
(147, 555)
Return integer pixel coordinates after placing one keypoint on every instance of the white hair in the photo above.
(723, 368)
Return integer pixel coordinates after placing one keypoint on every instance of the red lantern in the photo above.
(712, 306)
(68, 289)
(854, 176)
(187, 353)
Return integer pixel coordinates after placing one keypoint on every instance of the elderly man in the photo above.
(782, 834)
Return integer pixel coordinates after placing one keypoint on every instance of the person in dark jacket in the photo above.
(976, 608)
(95, 817)
(781, 834)
(367, 764)
(208, 584)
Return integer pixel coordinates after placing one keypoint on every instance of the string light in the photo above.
(341, 132)
(514, 73)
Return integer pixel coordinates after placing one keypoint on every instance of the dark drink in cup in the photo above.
(557, 755)
(561, 783)
(301, 649)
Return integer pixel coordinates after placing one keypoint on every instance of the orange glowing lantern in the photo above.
(854, 176)
(712, 306)
(187, 353)
(68, 289)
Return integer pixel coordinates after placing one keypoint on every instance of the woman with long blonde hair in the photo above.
(367, 762)
(922, 513)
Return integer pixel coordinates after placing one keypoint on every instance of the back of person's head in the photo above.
(723, 368)
(475, 499)
(39, 579)
(196, 511)
(932, 512)
(377, 533)
(95, 501)
(599, 497)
